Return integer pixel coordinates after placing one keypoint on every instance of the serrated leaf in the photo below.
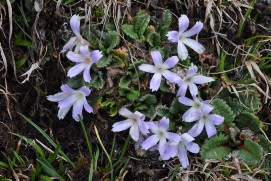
(93, 35)
(103, 62)
(215, 147)
(176, 107)
(76, 82)
(149, 112)
(163, 24)
(111, 106)
(131, 94)
(111, 41)
(248, 120)
(164, 86)
(97, 80)
(141, 20)
(221, 108)
(148, 99)
(129, 31)
(162, 110)
(250, 153)
(154, 39)
(125, 81)
(95, 102)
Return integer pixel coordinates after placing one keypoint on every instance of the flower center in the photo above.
(181, 37)
(188, 79)
(205, 117)
(88, 60)
(161, 134)
(197, 105)
(160, 69)
(80, 95)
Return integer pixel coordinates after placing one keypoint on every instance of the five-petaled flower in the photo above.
(190, 80)
(180, 149)
(161, 69)
(182, 37)
(84, 60)
(204, 118)
(77, 40)
(160, 135)
(70, 97)
(135, 122)
(196, 106)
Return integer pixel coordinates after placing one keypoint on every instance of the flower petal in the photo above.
(63, 111)
(190, 116)
(152, 126)
(192, 147)
(197, 47)
(193, 89)
(75, 70)
(174, 137)
(66, 88)
(171, 151)
(183, 23)
(150, 142)
(143, 127)
(171, 76)
(86, 74)
(87, 107)
(96, 55)
(182, 51)
(139, 116)
(164, 123)
(84, 50)
(147, 68)
(206, 108)
(85, 90)
(125, 112)
(186, 101)
(74, 57)
(192, 70)
(173, 36)
(187, 138)
(196, 129)
(182, 155)
(121, 125)
(134, 132)
(200, 79)
(58, 97)
(155, 81)
(194, 30)
(75, 24)
(68, 102)
(68, 46)
(216, 119)
(162, 147)
(171, 62)
(77, 109)
(182, 90)
(157, 58)
(210, 129)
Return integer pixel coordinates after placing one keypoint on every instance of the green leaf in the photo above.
(129, 31)
(19, 63)
(142, 20)
(176, 107)
(97, 80)
(104, 61)
(76, 82)
(162, 110)
(125, 81)
(164, 86)
(49, 169)
(111, 106)
(148, 99)
(248, 120)
(93, 35)
(163, 24)
(222, 109)
(215, 148)
(21, 42)
(154, 39)
(250, 153)
(111, 41)
(149, 112)
(131, 94)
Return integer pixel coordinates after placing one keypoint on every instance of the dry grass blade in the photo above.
(4, 59)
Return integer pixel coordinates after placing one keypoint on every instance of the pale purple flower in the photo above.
(135, 122)
(84, 60)
(207, 120)
(196, 106)
(161, 69)
(160, 135)
(182, 37)
(77, 40)
(180, 149)
(190, 81)
(71, 98)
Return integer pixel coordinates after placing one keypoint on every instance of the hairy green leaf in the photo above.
(124, 81)
(142, 20)
(148, 99)
(216, 147)
(97, 80)
(248, 120)
(111, 41)
(163, 24)
(222, 109)
(129, 31)
(104, 61)
(154, 39)
(131, 94)
(162, 110)
(250, 153)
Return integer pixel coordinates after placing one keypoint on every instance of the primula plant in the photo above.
(148, 89)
